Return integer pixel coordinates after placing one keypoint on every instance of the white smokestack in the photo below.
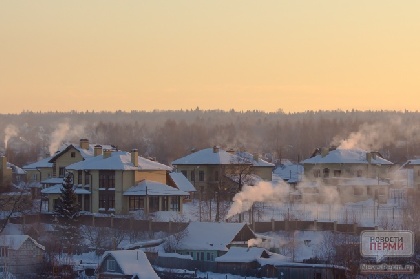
(10, 131)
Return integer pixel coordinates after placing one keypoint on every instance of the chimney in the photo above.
(216, 149)
(84, 144)
(97, 150)
(107, 153)
(230, 151)
(135, 157)
(369, 157)
(3, 163)
(324, 151)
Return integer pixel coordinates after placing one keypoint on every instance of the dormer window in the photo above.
(111, 265)
(73, 154)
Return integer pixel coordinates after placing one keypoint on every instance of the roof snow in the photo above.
(118, 160)
(182, 182)
(411, 162)
(288, 172)
(56, 189)
(44, 163)
(221, 157)
(85, 153)
(346, 156)
(15, 241)
(209, 236)
(15, 169)
(242, 255)
(132, 262)
(153, 188)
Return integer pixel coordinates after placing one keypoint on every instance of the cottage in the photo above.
(132, 264)
(20, 255)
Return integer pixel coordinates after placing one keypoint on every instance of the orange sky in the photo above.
(295, 55)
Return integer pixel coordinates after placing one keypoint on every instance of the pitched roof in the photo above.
(153, 189)
(289, 172)
(411, 162)
(85, 153)
(118, 160)
(182, 182)
(132, 262)
(209, 236)
(56, 189)
(208, 156)
(15, 241)
(44, 163)
(15, 169)
(346, 156)
(242, 255)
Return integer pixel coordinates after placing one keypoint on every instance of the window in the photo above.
(87, 179)
(35, 177)
(201, 176)
(326, 172)
(79, 177)
(317, 173)
(202, 256)
(337, 173)
(359, 173)
(184, 172)
(208, 256)
(61, 171)
(106, 200)
(358, 191)
(3, 252)
(216, 176)
(193, 175)
(165, 203)
(107, 179)
(175, 202)
(153, 204)
(111, 265)
(73, 154)
(135, 203)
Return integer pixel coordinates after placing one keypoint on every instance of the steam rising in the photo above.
(10, 131)
(263, 191)
(63, 131)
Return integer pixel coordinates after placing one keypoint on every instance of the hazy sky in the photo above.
(265, 55)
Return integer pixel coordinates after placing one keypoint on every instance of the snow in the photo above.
(132, 262)
(44, 163)
(287, 171)
(174, 255)
(209, 236)
(152, 188)
(15, 241)
(56, 189)
(221, 157)
(118, 160)
(346, 156)
(182, 182)
(15, 169)
(241, 255)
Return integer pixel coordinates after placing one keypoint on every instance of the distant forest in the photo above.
(168, 135)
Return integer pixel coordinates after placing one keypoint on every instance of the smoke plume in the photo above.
(62, 132)
(263, 191)
(10, 131)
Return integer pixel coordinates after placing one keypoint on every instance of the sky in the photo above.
(267, 55)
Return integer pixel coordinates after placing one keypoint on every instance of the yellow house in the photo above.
(120, 182)
(5, 173)
(356, 174)
(208, 168)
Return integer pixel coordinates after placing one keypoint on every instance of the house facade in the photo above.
(356, 174)
(121, 182)
(20, 255)
(214, 168)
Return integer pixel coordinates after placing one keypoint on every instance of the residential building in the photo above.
(412, 173)
(121, 264)
(288, 172)
(209, 169)
(356, 174)
(20, 255)
(5, 173)
(205, 241)
(121, 182)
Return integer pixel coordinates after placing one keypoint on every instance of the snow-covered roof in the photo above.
(118, 160)
(44, 163)
(288, 172)
(182, 182)
(153, 189)
(56, 189)
(209, 236)
(132, 262)
(15, 241)
(212, 156)
(15, 169)
(85, 153)
(347, 156)
(411, 162)
(242, 255)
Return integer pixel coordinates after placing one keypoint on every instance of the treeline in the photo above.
(167, 135)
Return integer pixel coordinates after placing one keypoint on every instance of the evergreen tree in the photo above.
(67, 211)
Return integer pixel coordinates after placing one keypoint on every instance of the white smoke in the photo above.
(10, 131)
(64, 131)
(263, 191)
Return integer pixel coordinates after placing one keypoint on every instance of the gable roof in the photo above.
(153, 189)
(15, 241)
(132, 262)
(243, 255)
(210, 156)
(43, 163)
(289, 172)
(346, 156)
(118, 160)
(209, 236)
(85, 153)
(182, 182)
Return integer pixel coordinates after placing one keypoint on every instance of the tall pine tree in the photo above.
(67, 211)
